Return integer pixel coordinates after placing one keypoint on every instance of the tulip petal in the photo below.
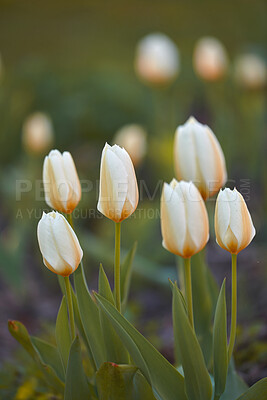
(132, 194)
(247, 224)
(71, 173)
(113, 185)
(173, 222)
(47, 243)
(66, 242)
(47, 182)
(185, 153)
(59, 184)
(222, 215)
(196, 213)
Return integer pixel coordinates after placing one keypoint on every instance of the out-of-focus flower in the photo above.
(157, 60)
(58, 243)
(210, 59)
(184, 219)
(233, 224)
(133, 139)
(250, 71)
(37, 133)
(61, 182)
(199, 158)
(118, 194)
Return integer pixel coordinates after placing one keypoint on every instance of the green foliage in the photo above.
(220, 356)
(166, 381)
(118, 363)
(19, 332)
(90, 318)
(197, 380)
(126, 274)
(76, 386)
(115, 382)
(115, 351)
(63, 338)
(256, 392)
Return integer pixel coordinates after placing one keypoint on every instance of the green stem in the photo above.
(117, 272)
(70, 307)
(69, 219)
(234, 308)
(180, 273)
(188, 290)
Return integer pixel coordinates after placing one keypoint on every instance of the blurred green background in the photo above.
(74, 60)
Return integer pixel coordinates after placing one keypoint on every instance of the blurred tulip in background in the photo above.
(210, 59)
(133, 138)
(37, 133)
(157, 60)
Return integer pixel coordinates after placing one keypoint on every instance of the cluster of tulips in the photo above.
(122, 364)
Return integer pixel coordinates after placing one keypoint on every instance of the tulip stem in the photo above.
(70, 307)
(117, 272)
(234, 308)
(188, 290)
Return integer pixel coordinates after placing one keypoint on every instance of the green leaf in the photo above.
(235, 386)
(142, 389)
(203, 310)
(220, 358)
(49, 355)
(79, 325)
(20, 333)
(115, 382)
(256, 392)
(197, 380)
(90, 318)
(76, 386)
(115, 349)
(63, 338)
(126, 274)
(166, 381)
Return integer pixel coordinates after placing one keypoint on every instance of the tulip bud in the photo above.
(118, 194)
(37, 133)
(184, 219)
(157, 59)
(58, 244)
(251, 71)
(199, 158)
(133, 139)
(233, 224)
(210, 59)
(61, 181)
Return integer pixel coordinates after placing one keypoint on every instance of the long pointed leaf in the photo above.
(76, 382)
(20, 333)
(90, 318)
(197, 380)
(256, 392)
(166, 381)
(63, 338)
(235, 386)
(49, 355)
(220, 358)
(115, 349)
(126, 274)
(115, 382)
